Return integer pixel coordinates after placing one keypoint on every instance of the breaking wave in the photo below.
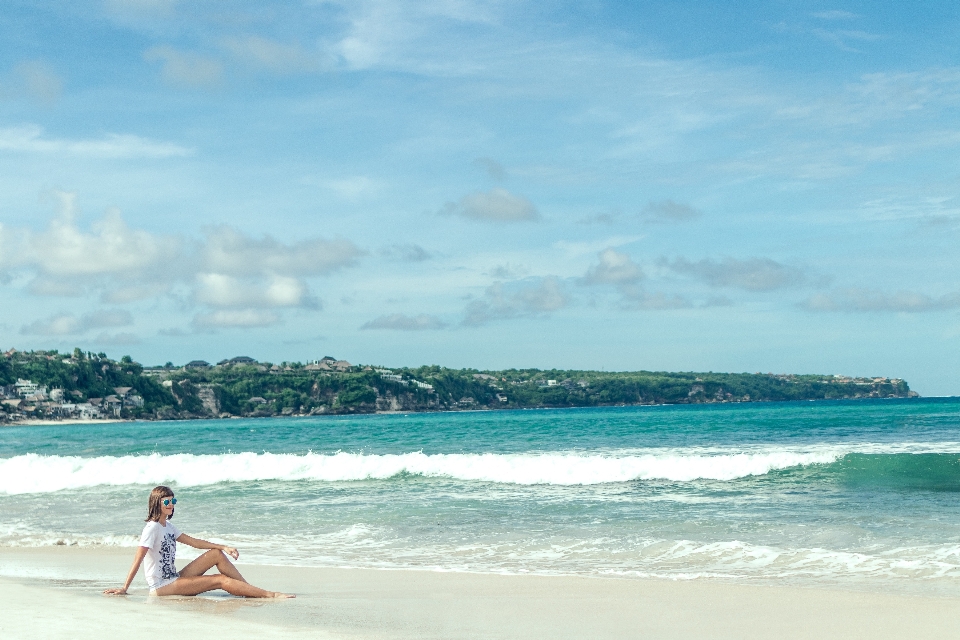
(33, 473)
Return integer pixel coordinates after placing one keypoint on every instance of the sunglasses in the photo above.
(168, 501)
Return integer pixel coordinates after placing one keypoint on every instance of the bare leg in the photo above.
(193, 585)
(210, 559)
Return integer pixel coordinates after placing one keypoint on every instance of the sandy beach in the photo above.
(55, 593)
(48, 423)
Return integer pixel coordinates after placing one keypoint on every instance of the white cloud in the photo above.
(9, 250)
(235, 318)
(752, 274)
(151, 7)
(186, 69)
(509, 271)
(618, 269)
(64, 249)
(834, 14)
(532, 297)
(613, 268)
(635, 297)
(107, 318)
(33, 79)
(492, 168)
(64, 255)
(64, 324)
(402, 322)
(352, 188)
(113, 248)
(843, 38)
(575, 250)
(406, 253)
(229, 252)
(124, 292)
(57, 287)
(59, 325)
(599, 218)
(270, 55)
(31, 138)
(870, 300)
(496, 205)
(717, 301)
(375, 29)
(218, 290)
(117, 339)
(228, 269)
(669, 211)
(388, 33)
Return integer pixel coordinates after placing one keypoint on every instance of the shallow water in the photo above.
(857, 493)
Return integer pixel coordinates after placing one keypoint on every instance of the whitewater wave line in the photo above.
(644, 557)
(33, 473)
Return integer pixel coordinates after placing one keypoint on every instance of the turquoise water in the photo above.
(857, 493)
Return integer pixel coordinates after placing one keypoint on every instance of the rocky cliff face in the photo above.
(207, 395)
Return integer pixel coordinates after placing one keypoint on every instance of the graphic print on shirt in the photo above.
(168, 551)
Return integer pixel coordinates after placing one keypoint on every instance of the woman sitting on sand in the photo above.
(158, 546)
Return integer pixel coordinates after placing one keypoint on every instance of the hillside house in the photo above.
(26, 388)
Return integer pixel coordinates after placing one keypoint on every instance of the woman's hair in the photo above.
(153, 505)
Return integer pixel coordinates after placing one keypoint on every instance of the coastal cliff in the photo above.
(51, 385)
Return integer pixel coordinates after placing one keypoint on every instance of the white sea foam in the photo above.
(69, 540)
(368, 547)
(33, 473)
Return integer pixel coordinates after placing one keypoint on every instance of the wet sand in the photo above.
(55, 593)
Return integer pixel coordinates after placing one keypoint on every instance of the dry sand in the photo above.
(55, 593)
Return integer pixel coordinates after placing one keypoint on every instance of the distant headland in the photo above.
(48, 385)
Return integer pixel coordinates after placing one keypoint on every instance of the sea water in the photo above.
(845, 493)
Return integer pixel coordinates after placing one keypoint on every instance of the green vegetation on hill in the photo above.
(247, 388)
(82, 376)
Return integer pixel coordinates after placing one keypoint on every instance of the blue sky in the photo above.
(672, 186)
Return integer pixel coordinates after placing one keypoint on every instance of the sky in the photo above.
(682, 186)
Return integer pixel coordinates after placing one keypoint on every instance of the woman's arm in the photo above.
(137, 559)
(197, 543)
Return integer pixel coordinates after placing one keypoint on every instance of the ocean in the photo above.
(854, 494)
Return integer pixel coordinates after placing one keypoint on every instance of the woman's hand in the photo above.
(115, 592)
(230, 551)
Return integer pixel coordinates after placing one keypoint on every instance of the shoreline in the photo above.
(33, 422)
(37, 422)
(57, 595)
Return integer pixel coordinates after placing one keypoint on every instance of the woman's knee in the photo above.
(229, 584)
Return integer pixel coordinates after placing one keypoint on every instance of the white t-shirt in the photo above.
(159, 563)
